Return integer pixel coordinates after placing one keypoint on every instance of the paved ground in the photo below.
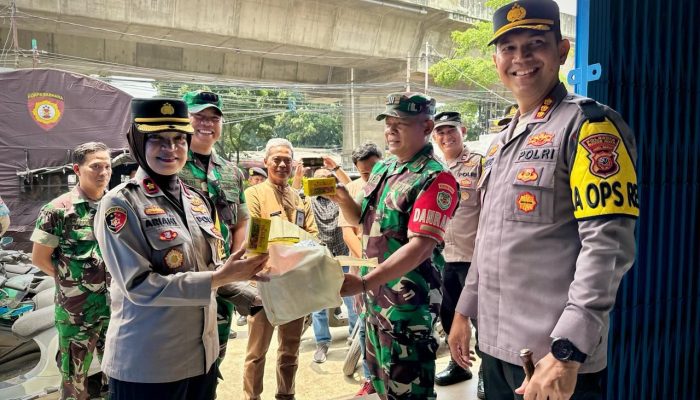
(315, 381)
(318, 381)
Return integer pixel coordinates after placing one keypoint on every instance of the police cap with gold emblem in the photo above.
(540, 15)
(160, 115)
(407, 104)
(257, 171)
(450, 118)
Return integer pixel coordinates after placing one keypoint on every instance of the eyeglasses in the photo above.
(167, 141)
(201, 118)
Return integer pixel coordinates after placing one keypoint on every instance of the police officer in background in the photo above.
(465, 166)
(403, 209)
(256, 175)
(163, 246)
(556, 231)
(65, 248)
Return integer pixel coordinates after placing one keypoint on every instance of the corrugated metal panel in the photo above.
(650, 52)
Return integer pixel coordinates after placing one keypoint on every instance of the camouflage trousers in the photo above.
(402, 367)
(224, 317)
(77, 345)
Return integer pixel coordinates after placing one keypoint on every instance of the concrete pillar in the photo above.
(367, 128)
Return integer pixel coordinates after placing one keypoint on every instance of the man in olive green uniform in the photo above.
(65, 248)
(223, 182)
(406, 205)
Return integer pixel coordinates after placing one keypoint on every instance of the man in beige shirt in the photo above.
(275, 197)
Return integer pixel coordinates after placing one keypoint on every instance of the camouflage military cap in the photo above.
(200, 100)
(407, 104)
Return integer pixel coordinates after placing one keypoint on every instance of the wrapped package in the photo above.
(304, 277)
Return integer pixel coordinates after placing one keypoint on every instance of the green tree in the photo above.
(323, 128)
(471, 65)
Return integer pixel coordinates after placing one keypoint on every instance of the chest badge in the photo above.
(168, 235)
(196, 201)
(527, 175)
(540, 139)
(115, 217)
(526, 202)
(153, 210)
(465, 196)
(466, 182)
(174, 258)
(199, 209)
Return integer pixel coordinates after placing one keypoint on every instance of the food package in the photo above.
(319, 186)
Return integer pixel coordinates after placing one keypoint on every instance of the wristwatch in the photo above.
(564, 350)
(337, 167)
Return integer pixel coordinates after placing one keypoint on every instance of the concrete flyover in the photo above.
(314, 42)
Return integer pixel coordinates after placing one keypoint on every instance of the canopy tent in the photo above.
(44, 115)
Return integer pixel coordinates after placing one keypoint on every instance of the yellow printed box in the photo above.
(319, 186)
(258, 234)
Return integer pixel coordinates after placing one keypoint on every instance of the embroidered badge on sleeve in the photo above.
(115, 217)
(434, 207)
(603, 178)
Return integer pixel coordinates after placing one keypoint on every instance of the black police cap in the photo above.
(451, 118)
(160, 115)
(540, 15)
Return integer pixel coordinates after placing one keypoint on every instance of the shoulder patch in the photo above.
(150, 186)
(115, 217)
(603, 178)
(434, 207)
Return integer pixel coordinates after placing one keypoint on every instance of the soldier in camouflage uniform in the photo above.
(405, 207)
(223, 182)
(65, 248)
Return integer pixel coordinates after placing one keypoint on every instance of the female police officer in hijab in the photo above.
(161, 245)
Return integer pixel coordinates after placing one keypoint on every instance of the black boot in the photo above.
(452, 374)
(480, 385)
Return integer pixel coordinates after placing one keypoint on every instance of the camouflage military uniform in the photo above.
(82, 306)
(223, 181)
(401, 201)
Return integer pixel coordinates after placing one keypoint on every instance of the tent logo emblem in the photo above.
(46, 109)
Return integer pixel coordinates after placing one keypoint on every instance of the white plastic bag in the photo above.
(303, 279)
